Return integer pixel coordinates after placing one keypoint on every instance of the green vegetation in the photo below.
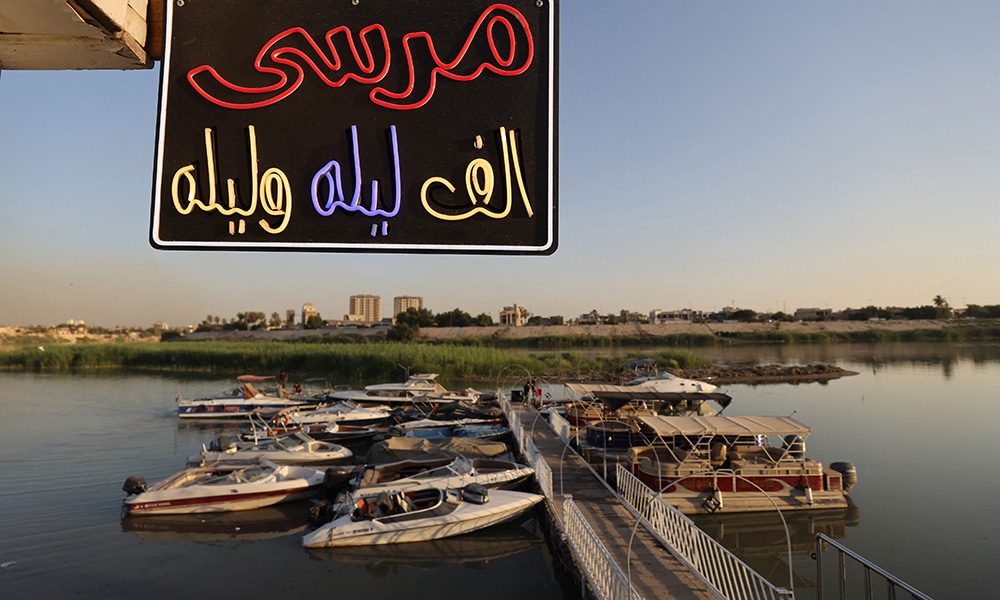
(351, 361)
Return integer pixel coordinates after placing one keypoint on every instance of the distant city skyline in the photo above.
(311, 308)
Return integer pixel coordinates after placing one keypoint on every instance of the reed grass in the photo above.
(355, 362)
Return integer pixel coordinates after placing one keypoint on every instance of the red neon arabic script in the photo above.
(287, 63)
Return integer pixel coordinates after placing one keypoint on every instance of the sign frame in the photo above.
(239, 167)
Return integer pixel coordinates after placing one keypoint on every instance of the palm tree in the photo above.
(940, 301)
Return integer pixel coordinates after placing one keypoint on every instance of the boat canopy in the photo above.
(727, 426)
(616, 396)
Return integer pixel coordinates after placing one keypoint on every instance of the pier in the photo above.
(650, 568)
(627, 542)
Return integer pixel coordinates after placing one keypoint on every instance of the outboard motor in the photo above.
(222, 443)
(475, 493)
(848, 472)
(135, 484)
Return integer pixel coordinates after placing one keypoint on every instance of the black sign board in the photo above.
(358, 125)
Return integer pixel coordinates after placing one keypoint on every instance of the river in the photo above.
(920, 423)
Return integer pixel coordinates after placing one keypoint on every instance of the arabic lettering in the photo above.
(504, 28)
(271, 190)
(480, 183)
(329, 179)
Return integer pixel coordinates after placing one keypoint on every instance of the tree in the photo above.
(275, 320)
(484, 320)
(402, 332)
(314, 322)
(453, 318)
(940, 301)
(744, 315)
(418, 317)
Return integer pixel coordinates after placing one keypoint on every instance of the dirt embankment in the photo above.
(680, 328)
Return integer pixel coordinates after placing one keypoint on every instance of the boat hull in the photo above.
(467, 517)
(189, 492)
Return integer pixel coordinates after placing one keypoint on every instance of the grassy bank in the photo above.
(361, 362)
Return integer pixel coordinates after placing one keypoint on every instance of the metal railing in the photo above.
(606, 578)
(892, 583)
(527, 447)
(723, 573)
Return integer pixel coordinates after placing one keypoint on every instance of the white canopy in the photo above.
(729, 426)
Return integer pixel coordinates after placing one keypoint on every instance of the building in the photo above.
(365, 308)
(401, 303)
(813, 314)
(515, 316)
(290, 317)
(308, 310)
(659, 317)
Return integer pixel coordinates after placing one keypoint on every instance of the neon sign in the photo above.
(340, 125)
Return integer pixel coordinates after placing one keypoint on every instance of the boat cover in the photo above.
(616, 396)
(729, 426)
(402, 448)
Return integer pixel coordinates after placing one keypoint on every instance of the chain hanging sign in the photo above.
(358, 125)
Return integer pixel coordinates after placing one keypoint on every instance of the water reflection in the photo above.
(473, 550)
(759, 540)
(214, 528)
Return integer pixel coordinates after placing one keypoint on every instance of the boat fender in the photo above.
(475, 493)
(848, 472)
(809, 495)
(135, 484)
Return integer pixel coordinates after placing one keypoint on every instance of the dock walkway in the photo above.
(652, 570)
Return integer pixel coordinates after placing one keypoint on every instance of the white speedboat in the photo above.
(442, 473)
(417, 388)
(344, 412)
(220, 489)
(736, 464)
(242, 401)
(295, 448)
(427, 514)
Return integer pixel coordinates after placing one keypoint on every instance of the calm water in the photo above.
(68, 443)
(920, 422)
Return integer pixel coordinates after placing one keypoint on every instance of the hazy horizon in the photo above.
(770, 156)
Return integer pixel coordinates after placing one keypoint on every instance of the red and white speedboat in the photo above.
(220, 489)
(736, 464)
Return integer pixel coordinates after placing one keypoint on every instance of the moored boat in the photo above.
(422, 388)
(291, 449)
(443, 473)
(242, 401)
(425, 514)
(737, 464)
(221, 489)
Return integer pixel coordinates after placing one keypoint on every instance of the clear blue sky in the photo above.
(768, 155)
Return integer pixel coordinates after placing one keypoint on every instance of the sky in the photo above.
(769, 155)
